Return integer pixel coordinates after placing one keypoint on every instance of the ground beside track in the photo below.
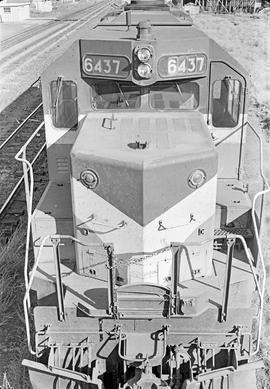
(7, 30)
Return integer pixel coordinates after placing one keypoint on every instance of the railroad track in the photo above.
(18, 56)
(21, 37)
(12, 197)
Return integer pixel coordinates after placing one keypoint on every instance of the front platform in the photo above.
(203, 313)
(89, 295)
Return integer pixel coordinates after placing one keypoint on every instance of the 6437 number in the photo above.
(105, 65)
(186, 64)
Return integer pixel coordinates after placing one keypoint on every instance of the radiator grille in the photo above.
(62, 165)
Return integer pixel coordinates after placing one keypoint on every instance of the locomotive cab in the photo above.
(135, 235)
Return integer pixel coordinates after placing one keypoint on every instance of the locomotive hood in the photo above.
(147, 157)
(132, 186)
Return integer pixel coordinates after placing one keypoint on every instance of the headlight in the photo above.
(144, 70)
(144, 54)
(196, 178)
(89, 178)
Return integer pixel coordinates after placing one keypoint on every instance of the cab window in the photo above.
(179, 94)
(226, 102)
(115, 95)
(64, 103)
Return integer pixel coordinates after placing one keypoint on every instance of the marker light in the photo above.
(196, 178)
(144, 54)
(144, 70)
(89, 178)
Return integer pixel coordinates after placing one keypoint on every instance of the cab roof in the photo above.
(171, 28)
(157, 17)
(166, 26)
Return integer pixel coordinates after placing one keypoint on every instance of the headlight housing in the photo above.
(89, 178)
(143, 61)
(144, 70)
(196, 178)
(144, 54)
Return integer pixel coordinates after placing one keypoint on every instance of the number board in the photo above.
(105, 65)
(182, 65)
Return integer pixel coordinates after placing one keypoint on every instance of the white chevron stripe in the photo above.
(133, 237)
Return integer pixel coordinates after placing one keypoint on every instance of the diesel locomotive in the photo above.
(148, 268)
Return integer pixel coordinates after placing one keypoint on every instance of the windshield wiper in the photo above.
(178, 88)
(59, 84)
(122, 94)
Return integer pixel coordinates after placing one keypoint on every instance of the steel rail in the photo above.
(18, 38)
(8, 140)
(11, 136)
(15, 189)
(35, 82)
(50, 40)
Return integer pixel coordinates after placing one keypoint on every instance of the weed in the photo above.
(6, 384)
(13, 340)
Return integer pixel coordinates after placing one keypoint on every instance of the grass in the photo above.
(12, 328)
(6, 384)
(247, 40)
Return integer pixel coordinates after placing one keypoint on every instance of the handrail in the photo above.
(29, 140)
(261, 290)
(265, 181)
(6, 142)
(26, 299)
(250, 261)
(29, 193)
(29, 190)
(123, 337)
(264, 191)
(230, 134)
(14, 190)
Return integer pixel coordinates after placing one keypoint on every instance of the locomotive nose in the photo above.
(155, 177)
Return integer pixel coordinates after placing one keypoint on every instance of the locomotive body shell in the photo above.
(147, 271)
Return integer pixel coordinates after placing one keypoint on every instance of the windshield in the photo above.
(115, 95)
(174, 95)
(165, 95)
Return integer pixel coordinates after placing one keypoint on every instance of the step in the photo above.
(225, 231)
